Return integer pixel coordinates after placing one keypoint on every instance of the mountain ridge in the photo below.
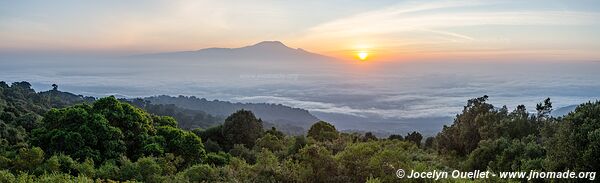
(261, 50)
(279, 115)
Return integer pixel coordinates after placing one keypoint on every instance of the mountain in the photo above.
(563, 110)
(280, 116)
(266, 50)
(186, 118)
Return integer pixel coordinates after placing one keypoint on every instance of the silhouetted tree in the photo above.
(396, 137)
(414, 137)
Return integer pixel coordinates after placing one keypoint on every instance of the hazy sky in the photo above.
(540, 30)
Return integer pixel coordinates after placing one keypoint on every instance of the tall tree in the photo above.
(242, 127)
(323, 131)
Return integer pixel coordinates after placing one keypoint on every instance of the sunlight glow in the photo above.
(362, 55)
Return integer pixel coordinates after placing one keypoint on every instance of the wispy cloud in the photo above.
(451, 25)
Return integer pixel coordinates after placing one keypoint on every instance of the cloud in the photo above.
(451, 26)
(413, 111)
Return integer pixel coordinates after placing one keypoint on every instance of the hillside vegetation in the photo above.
(60, 137)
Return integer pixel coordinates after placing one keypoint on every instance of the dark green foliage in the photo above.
(201, 173)
(414, 137)
(322, 131)
(164, 121)
(86, 168)
(270, 142)
(110, 141)
(213, 134)
(273, 131)
(544, 109)
(12, 134)
(6, 176)
(218, 159)
(359, 161)
(242, 127)
(320, 162)
(299, 143)
(96, 132)
(481, 121)
(135, 124)
(267, 167)
(149, 169)
(79, 132)
(182, 143)
(108, 171)
(395, 137)
(212, 146)
(368, 137)
(429, 141)
(506, 155)
(575, 144)
(146, 169)
(463, 135)
(29, 159)
(239, 150)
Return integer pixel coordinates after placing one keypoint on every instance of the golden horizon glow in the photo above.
(565, 30)
(362, 55)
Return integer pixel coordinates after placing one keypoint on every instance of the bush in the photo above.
(29, 159)
(201, 173)
(86, 168)
(218, 159)
(239, 150)
(149, 169)
(108, 170)
(6, 176)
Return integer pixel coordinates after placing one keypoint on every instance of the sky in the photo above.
(387, 30)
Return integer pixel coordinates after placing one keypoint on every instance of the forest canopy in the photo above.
(56, 136)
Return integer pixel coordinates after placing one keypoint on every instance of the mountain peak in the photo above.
(270, 44)
(274, 50)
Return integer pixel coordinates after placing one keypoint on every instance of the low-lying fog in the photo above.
(389, 97)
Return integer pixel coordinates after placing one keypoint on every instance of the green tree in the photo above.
(136, 125)
(575, 143)
(242, 127)
(79, 132)
(270, 142)
(368, 137)
(429, 141)
(218, 159)
(267, 167)
(273, 131)
(200, 173)
(214, 134)
(414, 137)
(182, 143)
(320, 162)
(108, 170)
(29, 159)
(463, 135)
(239, 150)
(86, 168)
(299, 143)
(323, 131)
(150, 171)
(395, 137)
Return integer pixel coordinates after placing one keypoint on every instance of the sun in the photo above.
(362, 55)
